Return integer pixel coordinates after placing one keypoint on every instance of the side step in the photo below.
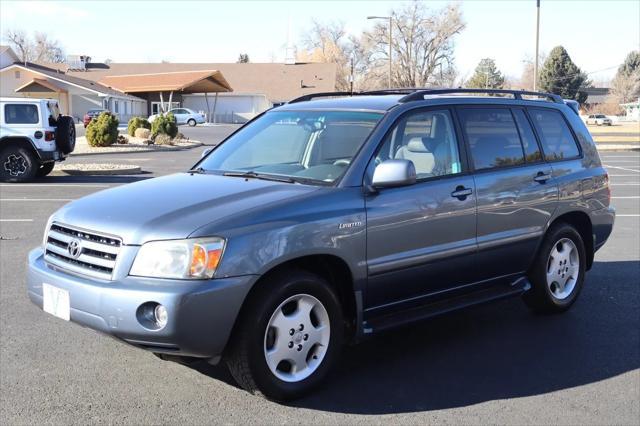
(375, 325)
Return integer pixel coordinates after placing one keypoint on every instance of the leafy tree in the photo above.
(243, 58)
(561, 76)
(486, 76)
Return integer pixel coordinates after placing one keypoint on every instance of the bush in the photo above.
(164, 125)
(137, 123)
(122, 139)
(162, 139)
(142, 133)
(103, 130)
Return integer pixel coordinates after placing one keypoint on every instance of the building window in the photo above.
(115, 107)
(17, 74)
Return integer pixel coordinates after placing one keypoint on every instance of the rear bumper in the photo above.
(48, 156)
(602, 221)
(201, 314)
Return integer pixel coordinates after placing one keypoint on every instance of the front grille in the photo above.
(81, 252)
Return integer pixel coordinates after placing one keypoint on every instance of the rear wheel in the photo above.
(558, 272)
(288, 338)
(17, 164)
(45, 169)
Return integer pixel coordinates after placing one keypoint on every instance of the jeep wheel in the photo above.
(45, 169)
(191, 122)
(289, 335)
(558, 272)
(17, 164)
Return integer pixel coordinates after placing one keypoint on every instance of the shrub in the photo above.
(122, 139)
(102, 130)
(162, 139)
(164, 125)
(137, 123)
(142, 133)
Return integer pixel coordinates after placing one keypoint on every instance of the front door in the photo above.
(515, 190)
(421, 239)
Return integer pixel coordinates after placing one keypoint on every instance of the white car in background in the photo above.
(183, 116)
(599, 120)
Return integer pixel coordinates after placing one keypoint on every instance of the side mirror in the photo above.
(392, 173)
(206, 152)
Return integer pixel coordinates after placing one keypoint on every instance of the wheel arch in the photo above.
(19, 141)
(581, 221)
(330, 267)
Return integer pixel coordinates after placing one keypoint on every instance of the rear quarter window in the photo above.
(556, 138)
(21, 114)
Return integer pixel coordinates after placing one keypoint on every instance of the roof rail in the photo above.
(310, 96)
(419, 94)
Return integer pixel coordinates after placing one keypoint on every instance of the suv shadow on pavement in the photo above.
(485, 353)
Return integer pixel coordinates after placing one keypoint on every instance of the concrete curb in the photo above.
(133, 170)
(133, 151)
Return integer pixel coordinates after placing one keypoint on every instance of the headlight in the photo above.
(195, 258)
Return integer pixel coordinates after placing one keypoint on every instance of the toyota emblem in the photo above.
(74, 248)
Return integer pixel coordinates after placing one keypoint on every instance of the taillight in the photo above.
(49, 136)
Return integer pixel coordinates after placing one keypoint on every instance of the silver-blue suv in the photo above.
(330, 219)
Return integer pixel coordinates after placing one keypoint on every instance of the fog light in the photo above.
(161, 315)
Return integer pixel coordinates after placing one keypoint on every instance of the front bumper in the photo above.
(201, 313)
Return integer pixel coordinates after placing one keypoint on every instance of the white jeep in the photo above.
(33, 136)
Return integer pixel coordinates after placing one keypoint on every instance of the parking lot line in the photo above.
(624, 176)
(624, 184)
(627, 215)
(16, 220)
(623, 197)
(60, 185)
(37, 199)
(621, 168)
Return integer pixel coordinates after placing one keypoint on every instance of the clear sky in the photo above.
(597, 33)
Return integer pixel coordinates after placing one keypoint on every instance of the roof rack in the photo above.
(418, 94)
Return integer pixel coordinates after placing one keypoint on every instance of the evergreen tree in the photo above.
(561, 76)
(486, 76)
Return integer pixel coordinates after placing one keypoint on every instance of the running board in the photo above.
(375, 325)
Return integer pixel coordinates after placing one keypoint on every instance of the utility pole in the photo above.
(351, 77)
(390, 18)
(535, 66)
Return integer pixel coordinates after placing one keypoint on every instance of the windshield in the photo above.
(314, 146)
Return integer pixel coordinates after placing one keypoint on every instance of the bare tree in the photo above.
(40, 48)
(329, 43)
(422, 43)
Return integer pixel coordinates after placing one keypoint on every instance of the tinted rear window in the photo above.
(531, 149)
(556, 138)
(492, 137)
(21, 114)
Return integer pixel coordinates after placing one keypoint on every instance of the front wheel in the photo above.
(288, 337)
(557, 274)
(191, 122)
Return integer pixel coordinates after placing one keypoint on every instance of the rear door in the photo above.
(421, 237)
(515, 189)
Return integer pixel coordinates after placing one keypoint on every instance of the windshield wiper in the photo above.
(254, 175)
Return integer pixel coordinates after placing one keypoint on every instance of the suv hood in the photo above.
(174, 206)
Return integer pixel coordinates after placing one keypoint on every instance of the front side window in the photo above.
(310, 145)
(21, 114)
(556, 138)
(492, 137)
(427, 139)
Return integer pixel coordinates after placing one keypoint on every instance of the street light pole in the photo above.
(390, 18)
(535, 66)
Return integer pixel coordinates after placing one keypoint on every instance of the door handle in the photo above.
(461, 192)
(542, 177)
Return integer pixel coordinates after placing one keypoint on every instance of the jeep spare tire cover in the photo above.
(66, 134)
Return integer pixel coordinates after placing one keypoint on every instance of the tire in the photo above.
(66, 134)
(18, 164)
(45, 169)
(191, 122)
(557, 274)
(269, 325)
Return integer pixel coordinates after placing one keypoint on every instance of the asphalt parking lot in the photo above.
(493, 364)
